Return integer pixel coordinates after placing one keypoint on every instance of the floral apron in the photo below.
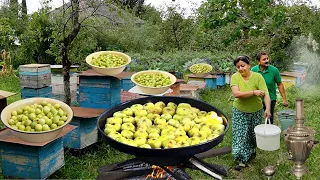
(243, 136)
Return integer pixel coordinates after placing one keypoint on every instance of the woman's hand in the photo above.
(258, 93)
(267, 113)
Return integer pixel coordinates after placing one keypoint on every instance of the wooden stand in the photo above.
(20, 159)
(3, 99)
(86, 132)
(188, 90)
(176, 88)
(210, 80)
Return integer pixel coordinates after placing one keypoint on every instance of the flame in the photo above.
(158, 172)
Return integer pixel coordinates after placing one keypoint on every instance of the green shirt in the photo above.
(255, 82)
(272, 76)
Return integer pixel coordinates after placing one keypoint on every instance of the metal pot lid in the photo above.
(303, 131)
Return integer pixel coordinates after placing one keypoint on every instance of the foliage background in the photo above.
(218, 31)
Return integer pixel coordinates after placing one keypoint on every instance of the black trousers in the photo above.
(273, 105)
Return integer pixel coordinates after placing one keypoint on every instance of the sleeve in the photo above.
(234, 81)
(277, 77)
(262, 84)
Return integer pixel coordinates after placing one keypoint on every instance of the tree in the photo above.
(6, 34)
(66, 42)
(176, 31)
(216, 13)
(135, 5)
(36, 39)
(14, 8)
(150, 14)
(24, 9)
(67, 29)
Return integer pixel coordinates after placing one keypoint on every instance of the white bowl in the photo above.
(201, 74)
(35, 137)
(108, 71)
(154, 90)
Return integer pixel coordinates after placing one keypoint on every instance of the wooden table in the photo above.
(3, 99)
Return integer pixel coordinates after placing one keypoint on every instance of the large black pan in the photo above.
(164, 157)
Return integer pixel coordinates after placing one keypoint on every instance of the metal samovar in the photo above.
(299, 141)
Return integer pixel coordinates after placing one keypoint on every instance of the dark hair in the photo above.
(260, 54)
(245, 59)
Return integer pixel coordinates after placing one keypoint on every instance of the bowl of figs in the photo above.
(200, 69)
(108, 63)
(36, 120)
(153, 82)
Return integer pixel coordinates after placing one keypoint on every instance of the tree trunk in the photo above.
(66, 75)
(24, 9)
(66, 44)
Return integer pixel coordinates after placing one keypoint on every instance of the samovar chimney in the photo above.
(299, 141)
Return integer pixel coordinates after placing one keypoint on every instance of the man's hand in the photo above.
(285, 103)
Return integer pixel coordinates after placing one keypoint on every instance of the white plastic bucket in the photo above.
(267, 136)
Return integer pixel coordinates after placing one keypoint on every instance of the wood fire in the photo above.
(158, 172)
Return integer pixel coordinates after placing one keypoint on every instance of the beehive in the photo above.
(36, 92)
(86, 132)
(98, 91)
(35, 75)
(221, 81)
(25, 160)
(126, 83)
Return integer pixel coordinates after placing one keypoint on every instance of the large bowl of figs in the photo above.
(108, 62)
(36, 120)
(152, 82)
(201, 69)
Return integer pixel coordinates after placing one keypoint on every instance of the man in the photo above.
(272, 77)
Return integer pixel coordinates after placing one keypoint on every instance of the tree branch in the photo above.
(93, 12)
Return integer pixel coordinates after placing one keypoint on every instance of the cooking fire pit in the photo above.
(173, 156)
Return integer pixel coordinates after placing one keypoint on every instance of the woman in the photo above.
(247, 87)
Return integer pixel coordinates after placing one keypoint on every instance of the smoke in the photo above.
(306, 51)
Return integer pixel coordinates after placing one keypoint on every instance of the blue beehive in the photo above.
(35, 75)
(211, 83)
(98, 91)
(86, 132)
(221, 81)
(35, 80)
(36, 92)
(126, 83)
(31, 162)
(20, 159)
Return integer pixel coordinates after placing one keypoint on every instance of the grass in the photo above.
(10, 83)
(84, 165)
